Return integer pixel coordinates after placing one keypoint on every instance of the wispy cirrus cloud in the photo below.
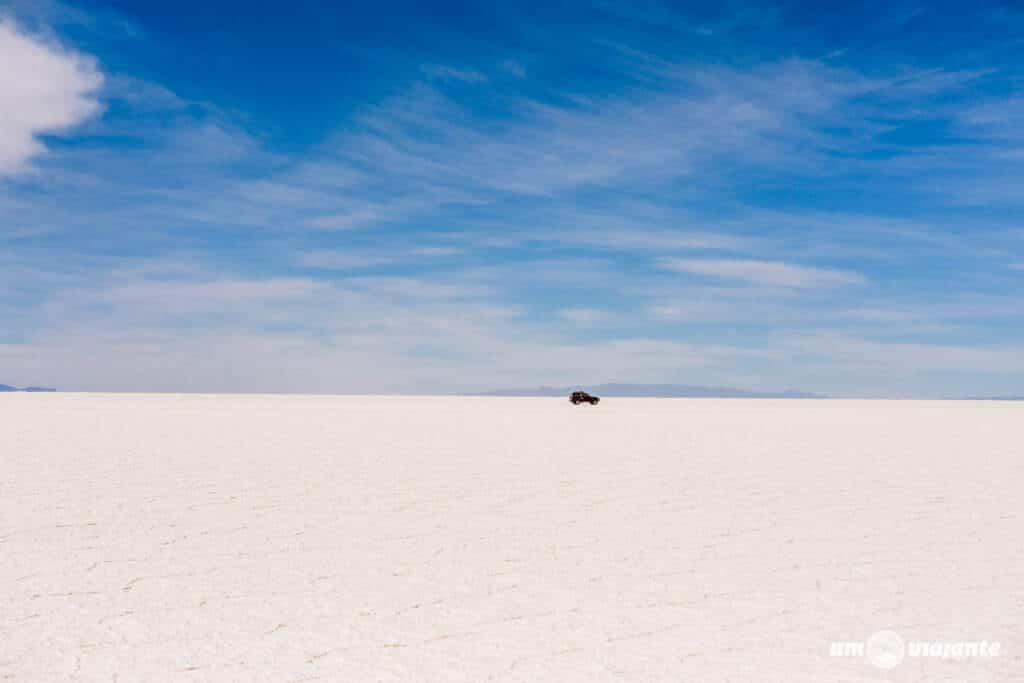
(771, 273)
(865, 353)
(363, 258)
(513, 67)
(1001, 119)
(444, 72)
(586, 316)
(704, 113)
(426, 150)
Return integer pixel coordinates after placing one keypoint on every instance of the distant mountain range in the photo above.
(653, 391)
(993, 398)
(4, 387)
(624, 390)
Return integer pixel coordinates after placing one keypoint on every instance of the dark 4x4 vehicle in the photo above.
(578, 397)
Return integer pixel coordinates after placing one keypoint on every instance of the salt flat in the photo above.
(294, 538)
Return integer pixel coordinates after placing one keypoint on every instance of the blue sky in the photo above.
(395, 197)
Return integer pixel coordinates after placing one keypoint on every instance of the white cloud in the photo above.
(689, 311)
(514, 68)
(356, 259)
(862, 354)
(372, 334)
(773, 273)
(996, 120)
(176, 296)
(449, 73)
(44, 89)
(650, 239)
(344, 260)
(585, 316)
(700, 119)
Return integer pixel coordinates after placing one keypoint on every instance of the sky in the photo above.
(440, 197)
